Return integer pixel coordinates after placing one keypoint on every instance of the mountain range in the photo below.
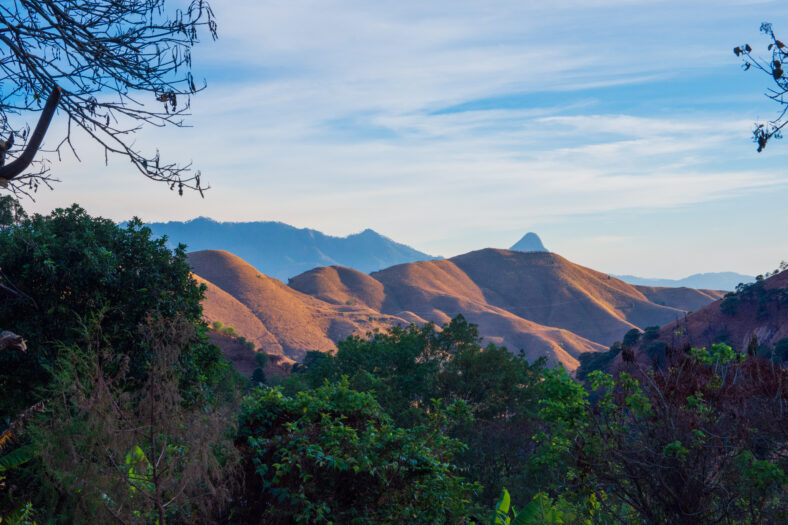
(283, 251)
(535, 301)
(714, 281)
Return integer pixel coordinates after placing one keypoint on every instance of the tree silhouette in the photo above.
(764, 132)
(112, 67)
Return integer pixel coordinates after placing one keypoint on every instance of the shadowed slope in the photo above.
(763, 315)
(223, 307)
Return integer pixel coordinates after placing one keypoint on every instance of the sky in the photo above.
(619, 131)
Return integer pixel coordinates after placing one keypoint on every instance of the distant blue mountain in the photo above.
(283, 251)
(529, 243)
(707, 281)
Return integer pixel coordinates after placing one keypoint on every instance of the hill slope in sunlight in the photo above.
(535, 301)
(297, 321)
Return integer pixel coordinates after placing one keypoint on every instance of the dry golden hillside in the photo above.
(541, 287)
(340, 285)
(436, 291)
(223, 307)
(538, 302)
(298, 322)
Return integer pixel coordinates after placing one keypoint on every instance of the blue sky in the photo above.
(619, 131)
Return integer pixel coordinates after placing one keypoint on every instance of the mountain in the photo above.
(529, 243)
(712, 281)
(295, 321)
(683, 298)
(535, 301)
(282, 251)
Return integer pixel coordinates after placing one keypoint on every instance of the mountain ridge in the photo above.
(282, 251)
(536, 301)
(530, 242)
(710, 281)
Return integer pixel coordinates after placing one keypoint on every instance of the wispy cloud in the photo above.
(427, 120)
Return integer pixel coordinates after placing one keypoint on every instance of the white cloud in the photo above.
(323, 114)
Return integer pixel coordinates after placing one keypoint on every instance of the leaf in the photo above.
(16, 457)
(502, 509)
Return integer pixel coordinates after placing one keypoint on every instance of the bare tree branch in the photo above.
(119, 67)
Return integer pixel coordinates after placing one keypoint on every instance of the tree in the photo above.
(405, 369)
(331, 455)
(111, 67)
(702, 440)
(57, 271)
(117, 354)
(773, 67)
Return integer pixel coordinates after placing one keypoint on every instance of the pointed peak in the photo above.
(529, 243)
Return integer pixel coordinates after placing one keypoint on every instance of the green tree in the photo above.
(331, 455)
(405, 368)
(59, 270)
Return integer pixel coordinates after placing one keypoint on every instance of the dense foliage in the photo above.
(406, 368)
(331, 455)
(700, 441)
(61, 269)
(116, 361)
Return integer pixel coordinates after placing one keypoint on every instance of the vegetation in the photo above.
(407, 368)
(700, 441)
(756, 294)
(116, 408)
(117, 403)
(58, 271)
(331, 455)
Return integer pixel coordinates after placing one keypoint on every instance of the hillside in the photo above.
(536, 301)
(282, 251)
(683, 298)
(549, 290)
(436, 291)
(297, 322)
(760, 310)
